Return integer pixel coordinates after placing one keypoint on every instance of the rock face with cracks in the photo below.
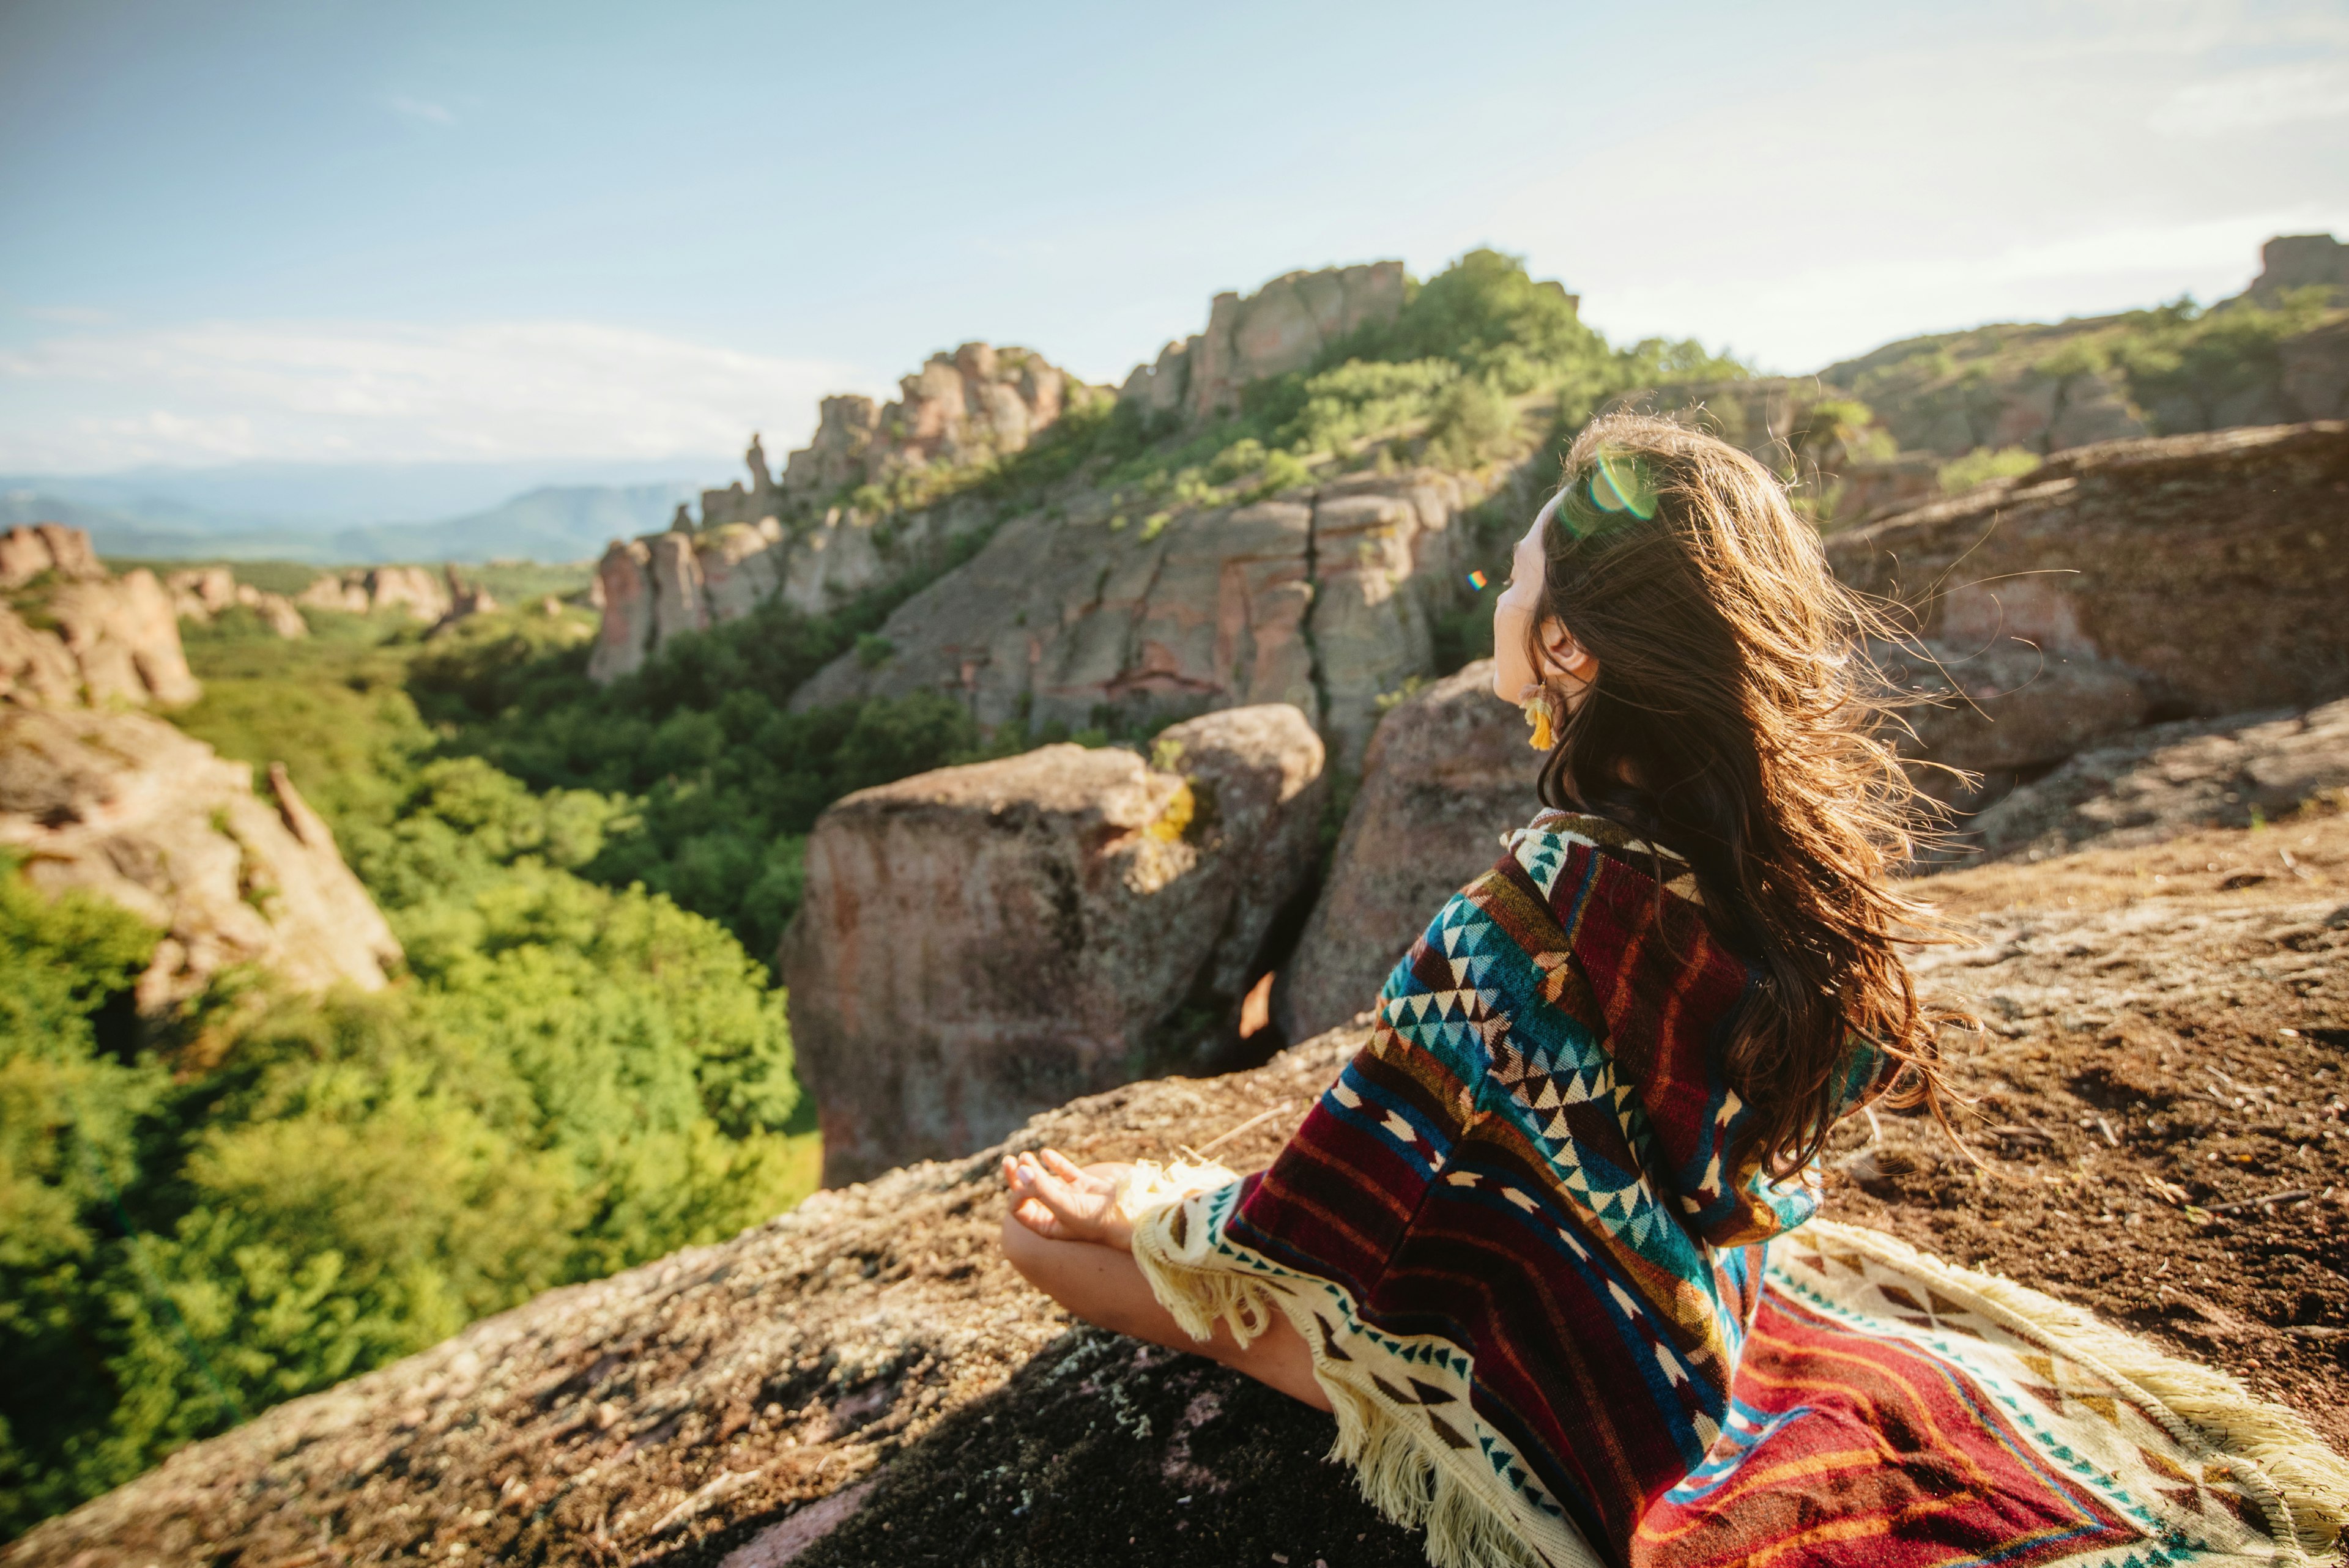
(1324, 598)
(1448, 771)
(979, 943)
(1282, 327)
(2121, 583)
(805, 539)
(864, 1380)
(2155, 783)
(977, 404)
(979, 401)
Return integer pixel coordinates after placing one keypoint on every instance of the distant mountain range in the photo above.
(288, 517)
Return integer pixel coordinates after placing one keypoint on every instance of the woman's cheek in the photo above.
(1510, 673)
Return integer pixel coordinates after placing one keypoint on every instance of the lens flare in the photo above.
(1617, 485)
(1476, 580)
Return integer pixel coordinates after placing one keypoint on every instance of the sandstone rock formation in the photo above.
(362, 590)
(2301, 260)
(202, 592)
(1282, 327)
(73, 633)
(466, 600)
(976, 403)
(34, 664)
(666, 585)
(1323, 598)
(1448, 772)
(2158, 578)
(126, 807)
(28, 552)
(864, 1380)
(2155, 783)
(277, 611)
(791, 535)
(125, 640)
(980, 943)
(671, 585)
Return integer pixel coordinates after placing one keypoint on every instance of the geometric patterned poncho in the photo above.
(1529, 1280)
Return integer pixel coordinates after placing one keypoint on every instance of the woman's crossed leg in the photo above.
(1066, 1237)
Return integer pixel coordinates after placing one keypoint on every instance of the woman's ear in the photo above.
(1562, 653)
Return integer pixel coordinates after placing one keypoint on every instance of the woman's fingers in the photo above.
(1037, 1217)
(1060, 1165)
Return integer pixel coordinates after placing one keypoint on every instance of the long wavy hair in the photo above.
(1736, 720)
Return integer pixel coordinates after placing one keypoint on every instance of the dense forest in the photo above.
(205, 1215)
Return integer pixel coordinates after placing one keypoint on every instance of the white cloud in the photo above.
(2257, 100)
(425, 110)
(298, 392)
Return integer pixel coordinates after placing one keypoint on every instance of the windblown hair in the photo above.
(1735, 720)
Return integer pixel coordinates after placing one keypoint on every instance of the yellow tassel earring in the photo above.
(1537, 716)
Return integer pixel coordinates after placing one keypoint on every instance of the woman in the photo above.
(1517, 1246)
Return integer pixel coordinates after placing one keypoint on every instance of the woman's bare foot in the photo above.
(1063, 1202)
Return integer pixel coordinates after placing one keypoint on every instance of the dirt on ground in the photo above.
(2161, 1106)
(2157, 1110)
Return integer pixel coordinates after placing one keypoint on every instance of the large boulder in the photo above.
(1448, 772)
(2184, 576)
(2160, 782)
(979, 943)
(126, 807)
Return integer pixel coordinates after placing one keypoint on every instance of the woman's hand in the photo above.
(1062, 1201)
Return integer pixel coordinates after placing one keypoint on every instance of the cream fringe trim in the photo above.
(2271, 1452)
(1398, 1475)
(2274, 1455)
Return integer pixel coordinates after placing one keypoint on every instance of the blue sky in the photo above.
(585, 235)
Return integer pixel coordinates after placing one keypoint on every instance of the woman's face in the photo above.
(1565, 664)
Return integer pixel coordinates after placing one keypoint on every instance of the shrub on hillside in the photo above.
(1984, 464)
